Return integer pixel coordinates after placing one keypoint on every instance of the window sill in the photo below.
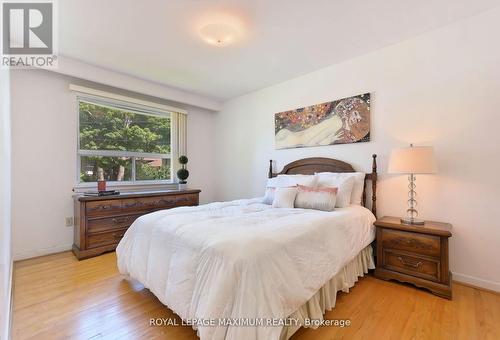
(128, 187)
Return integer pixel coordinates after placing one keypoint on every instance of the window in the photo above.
(121, 142)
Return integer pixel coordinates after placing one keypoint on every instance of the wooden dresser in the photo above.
(101, 222)
(414, 254)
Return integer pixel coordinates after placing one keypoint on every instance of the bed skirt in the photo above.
(326, 297)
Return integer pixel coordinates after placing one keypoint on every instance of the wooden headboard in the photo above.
(309, 166)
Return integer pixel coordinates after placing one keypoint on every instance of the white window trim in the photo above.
(116, 153)
(82, 90)
(91, 95)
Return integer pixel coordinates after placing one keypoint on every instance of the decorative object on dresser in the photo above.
(101, 193)
(183, 173)
(101, 185)
(412, 160)
(101, 222)
(414, 254)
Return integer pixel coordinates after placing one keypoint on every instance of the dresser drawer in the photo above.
(157, 203)
(416, 243)
(412, 264)
(146, 203)
(186, 200)
(103, 208)
(97, 225)
(103, 239)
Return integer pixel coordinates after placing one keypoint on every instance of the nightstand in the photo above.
(414, 254)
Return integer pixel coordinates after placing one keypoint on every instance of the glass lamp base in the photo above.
(412, 221)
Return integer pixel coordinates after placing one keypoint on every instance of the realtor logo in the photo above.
(28, 34)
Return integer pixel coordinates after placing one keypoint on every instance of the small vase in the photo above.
(101, 186)
(182, 186)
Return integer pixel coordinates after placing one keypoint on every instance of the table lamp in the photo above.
(411, 161)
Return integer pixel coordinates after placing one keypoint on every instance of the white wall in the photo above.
(5, 215)
(440, 89)
(78, 69)
(44, 142)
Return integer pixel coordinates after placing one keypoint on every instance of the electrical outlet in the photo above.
(69, 221)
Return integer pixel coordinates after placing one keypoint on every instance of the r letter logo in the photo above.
(28, 34)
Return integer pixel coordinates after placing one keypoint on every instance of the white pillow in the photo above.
(272, 184)
(316, 198)
(277, 182)
(293, 180)
(359, 184)
(344, 185)
(284, 197)
(269, 195)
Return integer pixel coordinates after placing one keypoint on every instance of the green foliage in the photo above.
(110, 165)
(182, 174)
(104, 128)
(183, 160)
(145, 171)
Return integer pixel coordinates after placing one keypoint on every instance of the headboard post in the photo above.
(374, 185)
(270, 173)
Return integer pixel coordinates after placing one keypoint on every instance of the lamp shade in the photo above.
(413, 160)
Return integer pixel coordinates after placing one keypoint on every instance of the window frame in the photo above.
(134, 108)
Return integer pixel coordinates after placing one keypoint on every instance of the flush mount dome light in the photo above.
(219, 34)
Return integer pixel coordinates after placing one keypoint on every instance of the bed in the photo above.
(245, 270)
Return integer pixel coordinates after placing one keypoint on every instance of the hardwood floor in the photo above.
(58, 297)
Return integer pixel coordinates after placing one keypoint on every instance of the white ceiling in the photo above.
(157, 40)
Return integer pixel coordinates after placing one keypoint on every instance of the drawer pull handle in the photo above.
(133, 205)
(166, 201)
(102, 207)
(410, 263)
(117, 235)
(121, 220)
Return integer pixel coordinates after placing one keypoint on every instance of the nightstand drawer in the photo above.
(412, 242)
(412, 264)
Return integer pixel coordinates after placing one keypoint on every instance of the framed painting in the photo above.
(340, 121)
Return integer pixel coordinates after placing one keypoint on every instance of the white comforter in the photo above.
(240, 259)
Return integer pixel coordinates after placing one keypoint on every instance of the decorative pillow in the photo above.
(284, 197)
(359, 183)
(269, 195)
(272, 184)
(277, 182)
(292, 180)
(344, 185)
(316, 198)
(359, 186)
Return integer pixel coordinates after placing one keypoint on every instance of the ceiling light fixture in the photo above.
(219, 34)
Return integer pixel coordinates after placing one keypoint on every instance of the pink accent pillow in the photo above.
(316, 198)
(345, 186)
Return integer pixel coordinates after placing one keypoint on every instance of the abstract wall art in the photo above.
(340, 121)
